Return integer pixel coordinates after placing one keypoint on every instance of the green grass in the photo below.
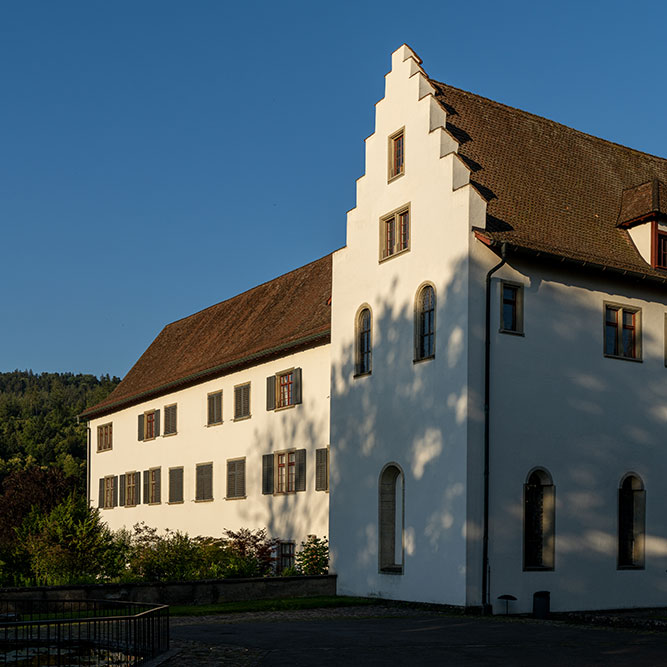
(282, 604)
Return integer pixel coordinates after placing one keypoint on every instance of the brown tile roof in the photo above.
(273, 319)
(549, 188)
(643, 201)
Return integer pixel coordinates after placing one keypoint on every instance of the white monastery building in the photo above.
(469, 398)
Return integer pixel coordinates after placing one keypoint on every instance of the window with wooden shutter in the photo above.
(242, 401)
(284, 389)
(149, 425)
(130, 499)
(236, 478)
(104, 437)
(109, 488)
(322, 469)
(204, 482)
(153, 491)
(267, 474)
(170, 419)
(176, 485)
(215, 408)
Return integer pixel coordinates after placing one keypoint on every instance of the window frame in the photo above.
(548, 523)
(285, 552)
(131, 474)
(165, 409)
(147, 414)
(212, 395)
(359, 368)
(105, 435)
(153, 486)
(518, 308)
(393, 218)
(238, 459)
(108, 492)
(279, 402)
(240, 387)
(637, 560)
(418, 329)
(388, 489)
(657, 235)
(204, 500)
(620, 327)
(392, 172)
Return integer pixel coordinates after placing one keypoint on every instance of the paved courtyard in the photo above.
(387, 636)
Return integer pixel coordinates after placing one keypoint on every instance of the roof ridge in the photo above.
(251, 289)
(507, 107)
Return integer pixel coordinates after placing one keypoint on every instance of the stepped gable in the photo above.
(273, 319)
(549, 188)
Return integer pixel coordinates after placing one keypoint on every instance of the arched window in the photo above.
(539, 496)
(364, 364)
(391, 520)
(425, 323)
(631, 513)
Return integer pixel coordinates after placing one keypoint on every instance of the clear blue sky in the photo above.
(157, 157)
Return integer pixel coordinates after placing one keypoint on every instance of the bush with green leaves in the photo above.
(313, 556)
(250, 553)
(71, 544)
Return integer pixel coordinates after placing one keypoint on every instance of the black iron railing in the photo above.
(81, 632)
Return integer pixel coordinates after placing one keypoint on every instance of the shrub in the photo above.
(250, 553)
(313, 556)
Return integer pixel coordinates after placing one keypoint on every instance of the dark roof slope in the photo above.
(273, 319)
(549, 188)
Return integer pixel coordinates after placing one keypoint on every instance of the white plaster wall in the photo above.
(559, 403)
(291, 516)
(413, 414)
(642, 236)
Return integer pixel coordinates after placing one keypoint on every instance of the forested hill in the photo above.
(38, 418)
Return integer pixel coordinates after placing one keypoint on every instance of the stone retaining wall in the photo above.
(208, 591)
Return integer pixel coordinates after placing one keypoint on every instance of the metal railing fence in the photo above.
(81, 632)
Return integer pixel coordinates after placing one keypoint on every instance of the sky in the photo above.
(158, 157)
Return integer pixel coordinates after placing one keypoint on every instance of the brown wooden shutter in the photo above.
(140, 434)
(157, 423)
(300, 481)
(246, 400)
(296, 387)
(238, 402)
(170, 420)
(137, 488)
(271, 393)
(114, 501)
(267, 474)
(147, 487)
(240, 478)
(322, 469)
(231, 479)
(121, 495)
(101, 497)
(176, 485)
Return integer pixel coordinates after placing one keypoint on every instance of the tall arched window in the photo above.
(539, 496)
(390, 517)
(631, 518)
(364, 363)
(425, 323)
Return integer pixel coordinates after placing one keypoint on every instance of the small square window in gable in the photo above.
(395, 233)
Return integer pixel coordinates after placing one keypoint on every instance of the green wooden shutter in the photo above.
(296, 387)
(240, 478)
(322, 469)
(157, 423)
(300, 481)
(101, 497)
(121, 495)
(271, 392)
(267, 474)
(158, 486)
(176, 485)
(147, 488)
(114, 501)
(137, 488)
(170, 420)
(231, 479)
(246, 401)
(140, 434)
(238, 402)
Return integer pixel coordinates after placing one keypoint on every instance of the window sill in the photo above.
(110, 449)
(615, 356)
(236, 497)
(511, 332)
(422, 359)
(630, 567)
(391, 569)
(213, 424)
(129, 506)
(396, 254)
(157, 503)
(538, 568)
(203, 500)
(362, 375)
(285, 407)
(242, 419)
(175, 502)
(168, 435)
(395, 177)
(106, 508)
